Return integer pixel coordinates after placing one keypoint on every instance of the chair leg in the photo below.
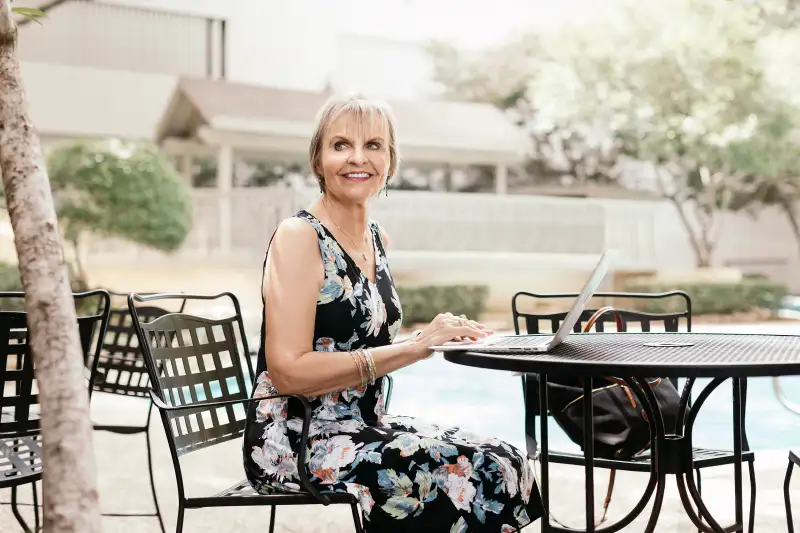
(357, 517)
(699, 489)
(150, 470)
(751, 521)
(787, 479)
(272, 519)
(179, 524)
(36, 522)
(15, 510)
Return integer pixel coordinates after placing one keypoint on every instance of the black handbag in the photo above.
(621, 427)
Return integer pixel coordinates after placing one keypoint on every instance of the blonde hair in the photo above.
(362, 110)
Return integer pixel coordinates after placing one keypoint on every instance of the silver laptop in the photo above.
(539, 343)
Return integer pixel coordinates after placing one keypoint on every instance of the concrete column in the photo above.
(186, 169)
(501, 179)
(224, 187)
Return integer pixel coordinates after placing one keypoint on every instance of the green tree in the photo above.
(120, 190)
(566, 151)
(674, 87)
(770, 160)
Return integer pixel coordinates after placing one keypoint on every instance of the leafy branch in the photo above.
(30, 13)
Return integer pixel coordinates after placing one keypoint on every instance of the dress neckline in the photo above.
(348, 257)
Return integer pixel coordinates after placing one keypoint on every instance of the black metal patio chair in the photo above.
(121, 371)
(20, 432)
(535, 323)
(794, 459)
(198, 380)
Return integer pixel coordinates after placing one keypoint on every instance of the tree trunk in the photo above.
(700, 240)
(79, 278)
(702, 249)
(69, 481)
(789, 211)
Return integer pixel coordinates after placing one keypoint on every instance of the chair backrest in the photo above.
(549, 322)
(121, 368)
(19, 401)
(193, 360)
(535, 323)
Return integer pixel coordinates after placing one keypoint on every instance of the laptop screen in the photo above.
(599, 272)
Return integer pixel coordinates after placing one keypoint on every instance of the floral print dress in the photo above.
(407, 476)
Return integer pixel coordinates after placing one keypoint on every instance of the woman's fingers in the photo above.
(469, 331)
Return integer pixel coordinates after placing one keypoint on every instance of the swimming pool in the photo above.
(490, 402)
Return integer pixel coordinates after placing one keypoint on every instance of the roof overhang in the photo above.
(475, 134)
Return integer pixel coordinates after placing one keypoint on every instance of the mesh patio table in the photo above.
(635, 357)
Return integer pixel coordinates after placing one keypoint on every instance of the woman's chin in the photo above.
(357, 193)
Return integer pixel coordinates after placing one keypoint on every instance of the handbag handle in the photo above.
(620, 328)
(600, 312)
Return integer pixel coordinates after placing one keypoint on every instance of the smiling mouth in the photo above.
(357, 176)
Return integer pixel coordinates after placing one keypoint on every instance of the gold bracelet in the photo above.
(367, 374)
(373, 372)
(362, 358)
(357, 361)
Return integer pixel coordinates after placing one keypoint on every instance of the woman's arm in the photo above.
(293, 278)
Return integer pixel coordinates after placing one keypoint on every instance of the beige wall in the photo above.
(83, 101)
(102, 35)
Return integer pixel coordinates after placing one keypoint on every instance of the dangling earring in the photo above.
(386, 186)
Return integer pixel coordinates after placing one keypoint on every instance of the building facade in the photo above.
(224, 85)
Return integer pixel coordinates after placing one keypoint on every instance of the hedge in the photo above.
(11, 282)
(721, 298)
(421, 304)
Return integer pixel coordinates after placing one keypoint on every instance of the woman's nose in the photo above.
(357, 156)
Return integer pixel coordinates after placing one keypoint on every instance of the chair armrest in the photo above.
(164, 407)
(389, 386)
(301, 458)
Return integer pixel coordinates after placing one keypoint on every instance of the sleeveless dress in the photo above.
(408, 476)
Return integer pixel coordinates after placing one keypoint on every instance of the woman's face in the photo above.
(355, 158)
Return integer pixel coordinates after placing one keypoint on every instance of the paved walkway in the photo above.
(124, 487)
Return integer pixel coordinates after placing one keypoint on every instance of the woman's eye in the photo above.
(339, 145)
(374, 146)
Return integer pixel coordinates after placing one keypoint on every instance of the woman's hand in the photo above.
(446, 327)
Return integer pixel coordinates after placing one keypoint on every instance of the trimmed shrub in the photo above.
(713, 298)
(11, 282)
(421, 304)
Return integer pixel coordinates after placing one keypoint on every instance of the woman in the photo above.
(331, 316)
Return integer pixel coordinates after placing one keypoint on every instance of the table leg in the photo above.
(685, 479)
(544, 454)
(588, 451)
(657, 436)
(737, 448)
(656, 483)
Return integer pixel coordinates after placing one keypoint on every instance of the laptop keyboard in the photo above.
(523, 341)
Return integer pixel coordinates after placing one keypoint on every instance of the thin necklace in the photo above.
(364, 250)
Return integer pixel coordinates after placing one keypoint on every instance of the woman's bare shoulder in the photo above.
(295, 241)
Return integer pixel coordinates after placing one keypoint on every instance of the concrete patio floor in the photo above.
(124, 487)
